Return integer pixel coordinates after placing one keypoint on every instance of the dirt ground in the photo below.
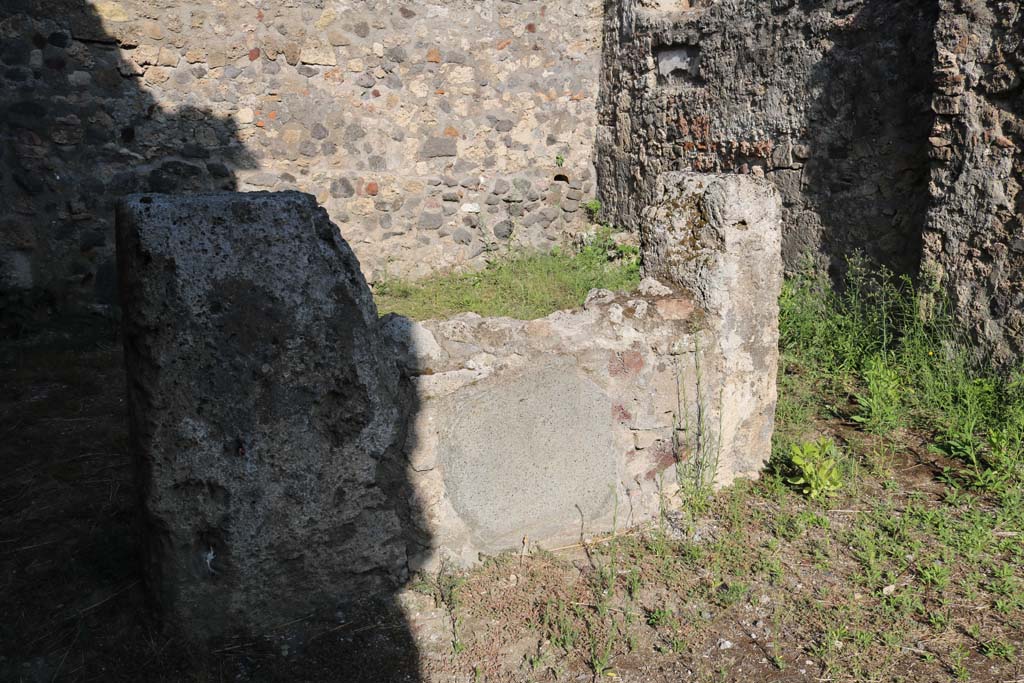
(891, 581)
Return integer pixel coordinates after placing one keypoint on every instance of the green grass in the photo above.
(885, 355)
(519, 285)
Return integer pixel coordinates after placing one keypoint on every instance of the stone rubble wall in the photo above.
(431, 131)
(537, 431)
(435, 132)
(892, 128)
(828, 100)
(974, 242)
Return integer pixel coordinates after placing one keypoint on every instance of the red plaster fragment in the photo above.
(664, 456)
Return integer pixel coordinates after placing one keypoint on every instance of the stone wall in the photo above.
(431, 131)
(828, 100)
(435, 132)
(297, 453)
(535, 432)
(974, 243)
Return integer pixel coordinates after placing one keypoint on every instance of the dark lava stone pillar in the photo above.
(264, 410)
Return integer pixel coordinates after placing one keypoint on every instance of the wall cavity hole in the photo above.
(562, 178)
(678, 64)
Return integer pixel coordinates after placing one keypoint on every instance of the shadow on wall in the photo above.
(79, 130)
(868, 168)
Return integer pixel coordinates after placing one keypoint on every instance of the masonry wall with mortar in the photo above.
(432, 131)
(974, 241)
(437, 131)
(829, 100)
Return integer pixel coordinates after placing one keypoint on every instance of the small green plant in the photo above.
(559, 160)
(592, 207)
(772, 567)
(732, 593)
(817, 467)
(657, 543)
(958, 657)
(601, 651)
(863, 638)
(633, 582)
(698, 434)
(661, 617)
(938, 620)
(600, 660)
(936, 575)
(444, 588)
(559, 625)
(998, 649)
(458, 645)
(880, 404)
(672, 645)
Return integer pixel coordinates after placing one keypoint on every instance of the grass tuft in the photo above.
(519, 285)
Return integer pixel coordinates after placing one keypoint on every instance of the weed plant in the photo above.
(817, 468)
(881, 352)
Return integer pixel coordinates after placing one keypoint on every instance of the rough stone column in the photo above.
(719, 236)
(264, 411)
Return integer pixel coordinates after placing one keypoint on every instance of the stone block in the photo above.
(263, 410)
(439, 147)
(529, 455)
(719, 236)
(317, 53)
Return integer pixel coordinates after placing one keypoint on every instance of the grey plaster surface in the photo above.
(530, 456)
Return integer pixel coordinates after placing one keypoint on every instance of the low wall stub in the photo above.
(538, 433)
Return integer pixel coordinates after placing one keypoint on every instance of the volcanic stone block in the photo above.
(263, 410)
